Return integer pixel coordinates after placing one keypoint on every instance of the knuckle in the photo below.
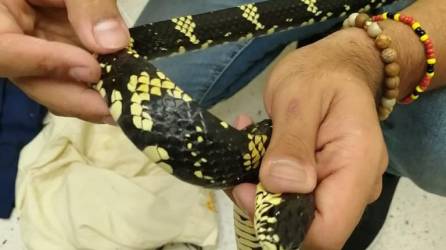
(293, 107)
(45, 65)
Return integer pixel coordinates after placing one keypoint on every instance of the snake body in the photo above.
(166, 124)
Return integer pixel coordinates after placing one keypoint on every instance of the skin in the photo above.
(327, 137)
(47, 46)
(321, 98)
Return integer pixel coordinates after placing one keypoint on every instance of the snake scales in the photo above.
(171, 129)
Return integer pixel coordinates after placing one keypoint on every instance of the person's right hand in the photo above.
(45, 50)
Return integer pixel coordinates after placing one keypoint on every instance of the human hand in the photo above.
(44, 48)
(326, 135)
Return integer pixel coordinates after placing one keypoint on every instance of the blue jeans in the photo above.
(415, 134)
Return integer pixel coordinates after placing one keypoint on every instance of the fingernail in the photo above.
(289, 172)
(109, 120)
(110, 34)
(81, 74)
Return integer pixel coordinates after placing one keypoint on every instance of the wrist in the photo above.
(411, 55)
(356, 52)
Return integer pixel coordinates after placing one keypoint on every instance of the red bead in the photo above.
(431, 56)
(377, 18)
(424, 87)
(425, 82)
(410, 19)
(411, 22)
(407, 100)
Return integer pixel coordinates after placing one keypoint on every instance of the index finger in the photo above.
(26, 56)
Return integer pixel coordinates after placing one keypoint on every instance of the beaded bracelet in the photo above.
(428, 49)
(388, 56)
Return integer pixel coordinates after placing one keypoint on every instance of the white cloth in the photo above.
(85, 186)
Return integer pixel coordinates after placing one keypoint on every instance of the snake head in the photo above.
(282, 220)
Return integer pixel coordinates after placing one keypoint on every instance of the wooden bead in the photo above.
(383, 113)
(374, 30)
(392, 69)
(392, 82)
(361, 19)
(383, 41)
(345, 24)
(391, 93)
(389, 55)
(352, 19)
(388, 103)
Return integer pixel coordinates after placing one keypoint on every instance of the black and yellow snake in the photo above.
(171, 129)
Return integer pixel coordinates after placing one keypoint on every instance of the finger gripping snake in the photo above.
(164, 122)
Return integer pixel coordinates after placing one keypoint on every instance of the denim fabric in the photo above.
(416, 140)
(415, 134)
(217, 73)
(20, 120)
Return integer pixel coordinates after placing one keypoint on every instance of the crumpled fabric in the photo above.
(85, 186)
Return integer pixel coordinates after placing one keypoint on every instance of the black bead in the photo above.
(430, 68)
(390, 15)
(420, 32)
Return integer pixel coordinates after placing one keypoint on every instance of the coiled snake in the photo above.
(171, 129)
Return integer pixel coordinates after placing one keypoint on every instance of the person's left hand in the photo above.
(326, 135)
(46, 50)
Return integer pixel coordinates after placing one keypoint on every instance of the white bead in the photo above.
(352, 19)
(367, 24)
(388, 103)
(374, 30)
(346, 24)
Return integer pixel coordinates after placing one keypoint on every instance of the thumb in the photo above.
(98, 24)
(289, 163)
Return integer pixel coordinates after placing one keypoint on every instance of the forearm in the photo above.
(352, 47)
(431, 15)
